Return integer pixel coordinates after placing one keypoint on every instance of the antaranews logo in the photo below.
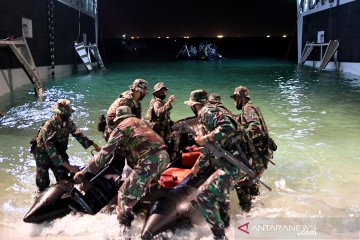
(268, 229)
(244, 228)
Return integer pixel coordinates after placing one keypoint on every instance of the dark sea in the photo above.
(313, 116)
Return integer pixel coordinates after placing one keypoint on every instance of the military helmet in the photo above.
(214, 98)
(159, 86)
(197, 97)
(123, 112)
(140, 85)
(62, 106)
(241, 91)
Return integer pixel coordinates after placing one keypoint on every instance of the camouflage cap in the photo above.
(140, 85)
(197, 97)
(241, 91)
(214, 98)
(123, 112)
(62, 106)
(159, 86)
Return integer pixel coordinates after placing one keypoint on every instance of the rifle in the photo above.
(218, 152)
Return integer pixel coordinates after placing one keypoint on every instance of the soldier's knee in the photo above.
(201, 197)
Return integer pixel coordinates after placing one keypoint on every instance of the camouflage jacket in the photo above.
(125, 99)
(252, 121)
(53, 138)
(158, 113)
(215, 120)
(134, 138)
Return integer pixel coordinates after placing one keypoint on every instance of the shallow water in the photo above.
(313, 117)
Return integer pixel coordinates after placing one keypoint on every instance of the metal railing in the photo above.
(306, 5)
(87, 6)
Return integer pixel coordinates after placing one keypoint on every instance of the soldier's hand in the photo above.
(96, 147)
(171, 99)
(200, 140)
(195, 169)
(192, 148)
(73, 169)
(78, 177)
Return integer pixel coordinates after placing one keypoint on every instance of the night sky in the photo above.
(196, 18)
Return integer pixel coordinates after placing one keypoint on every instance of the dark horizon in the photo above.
(114, 49)
(177, 18)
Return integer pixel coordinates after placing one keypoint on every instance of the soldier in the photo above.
(130, 98)
(215, 99)
(50, 145)
(213, 194)
(158, 113)
(252, 121)
(145, 152)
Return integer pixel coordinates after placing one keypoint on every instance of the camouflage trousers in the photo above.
(43, 164)
(163, 131)
(247, 190)
(213, 196)
(135, 184)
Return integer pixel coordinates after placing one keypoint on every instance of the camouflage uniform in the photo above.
(213, 193)
(144, 151)
(51, 145)
(126, 99)
(215, 99)
(158, 114)
(252, 121)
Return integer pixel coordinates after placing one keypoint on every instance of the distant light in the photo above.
(187, 37)
(284, 36)
(167, 37)
(132, 37)
(137, 37)
(268, 36)
(158, 37)
(220, 36)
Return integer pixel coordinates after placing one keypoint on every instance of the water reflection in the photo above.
(313, 118)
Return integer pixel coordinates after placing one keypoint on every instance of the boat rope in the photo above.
(51, 36)
(79, 26)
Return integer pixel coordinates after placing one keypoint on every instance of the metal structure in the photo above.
(331, 50)
(84, 53)
(21, 50)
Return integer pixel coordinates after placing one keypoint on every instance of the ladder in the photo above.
(21, 50)
(305, 54)
(331, 49)
(84, 53)
(183, 51)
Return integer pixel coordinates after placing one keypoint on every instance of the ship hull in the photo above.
(331, 21)
(38, 22)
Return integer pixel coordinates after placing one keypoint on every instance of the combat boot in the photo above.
(218, 233)
(125, 226)
(244, 197)
(254, 189)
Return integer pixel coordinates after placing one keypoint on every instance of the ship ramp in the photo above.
(331, 50)
(22, 51)
(84, 53)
